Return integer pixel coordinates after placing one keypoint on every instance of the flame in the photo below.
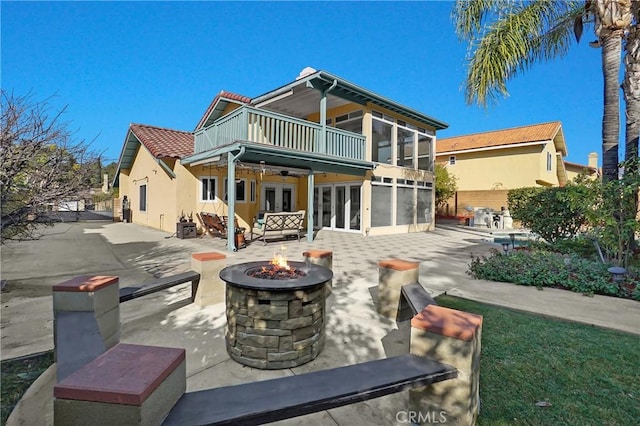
(280, 259)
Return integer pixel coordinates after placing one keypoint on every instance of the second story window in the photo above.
(405, 145)
(425, 149)
(381, 141)
(452, 160)
(351, 122)
(549, 162)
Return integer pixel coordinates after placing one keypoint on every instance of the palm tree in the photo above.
(631, 87)
(507, 37)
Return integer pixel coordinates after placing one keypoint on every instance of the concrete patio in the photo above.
(355, 332)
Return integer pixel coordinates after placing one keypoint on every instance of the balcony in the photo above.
(257, 125)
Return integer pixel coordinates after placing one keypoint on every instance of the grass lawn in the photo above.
(17, 376)
(589, 375)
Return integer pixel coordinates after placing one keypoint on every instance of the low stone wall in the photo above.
(275, 329)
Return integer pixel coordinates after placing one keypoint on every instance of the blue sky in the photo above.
(161, 63)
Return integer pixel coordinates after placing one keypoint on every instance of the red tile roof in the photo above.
(163, 142)
(517, 135)
(222, 94)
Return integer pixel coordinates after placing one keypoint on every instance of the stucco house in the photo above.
(359, 162)
(489, 164)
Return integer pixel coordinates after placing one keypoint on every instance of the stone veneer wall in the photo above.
(275, 329)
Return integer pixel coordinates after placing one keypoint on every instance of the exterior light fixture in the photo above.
(617, 273)
(505, 247)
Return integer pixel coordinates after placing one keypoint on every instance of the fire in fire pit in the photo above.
(275, 314)
(277, 269)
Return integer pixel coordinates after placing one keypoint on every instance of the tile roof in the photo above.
(222, 94)
(517, 135)
(163, 142)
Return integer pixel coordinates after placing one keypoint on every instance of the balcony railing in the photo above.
(256, 125)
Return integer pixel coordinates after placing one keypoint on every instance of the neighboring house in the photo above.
(358, 161)
(489, 164)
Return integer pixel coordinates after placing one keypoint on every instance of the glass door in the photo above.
(337, 206)
(278, 197)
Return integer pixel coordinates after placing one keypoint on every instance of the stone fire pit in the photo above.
(275, 319)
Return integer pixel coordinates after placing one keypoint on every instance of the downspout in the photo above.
(231, 198)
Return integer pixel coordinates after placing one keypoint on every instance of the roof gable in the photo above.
(219, 103)
(543, 132)
(163, 142)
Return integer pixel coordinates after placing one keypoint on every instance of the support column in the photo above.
(210, 289)
(393, 274)
(451, 337)
(321, 258)
(231, 202)
(310, 186)
(86, 320)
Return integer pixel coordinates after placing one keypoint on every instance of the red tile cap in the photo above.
(397, 264)
(202, 257)
(448, 322)
(125, 374)
(86, 283)
(317, 253)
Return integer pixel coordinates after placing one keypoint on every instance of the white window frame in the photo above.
(252, 191)
(452, 160)
(213, 185)
(244, 193)
(142, 202)
(549, 161)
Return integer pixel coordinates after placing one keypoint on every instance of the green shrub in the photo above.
(552, 213)
(543, 268)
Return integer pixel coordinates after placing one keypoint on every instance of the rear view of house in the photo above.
(352, 159)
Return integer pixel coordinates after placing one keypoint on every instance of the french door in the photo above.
(278, 197)
(337, 206)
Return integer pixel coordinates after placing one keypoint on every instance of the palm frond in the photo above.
(523, 33)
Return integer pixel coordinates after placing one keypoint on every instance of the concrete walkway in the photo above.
(355, 332)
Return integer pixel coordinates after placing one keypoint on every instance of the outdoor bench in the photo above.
(278, 225)
(292, 396)
(414, 298)
(130, 293)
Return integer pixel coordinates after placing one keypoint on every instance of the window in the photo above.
(425, 148)
(381, 205)
(405, 147)
(548, 161)
(240, 189)
(208, 185)
(452, 160)
(143, 198)
(423, 204)
(404, 208)
(252, 196)
(351, 122)
(381, 149)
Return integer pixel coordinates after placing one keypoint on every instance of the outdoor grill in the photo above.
(275, 313)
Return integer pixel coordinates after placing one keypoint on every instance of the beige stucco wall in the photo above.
(503, 168)
(161, 192)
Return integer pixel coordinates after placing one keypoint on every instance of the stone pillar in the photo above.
(210, 289)
(451, 337)
(393, 274)
(321, 258)
(86, 320)
(127, 385)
